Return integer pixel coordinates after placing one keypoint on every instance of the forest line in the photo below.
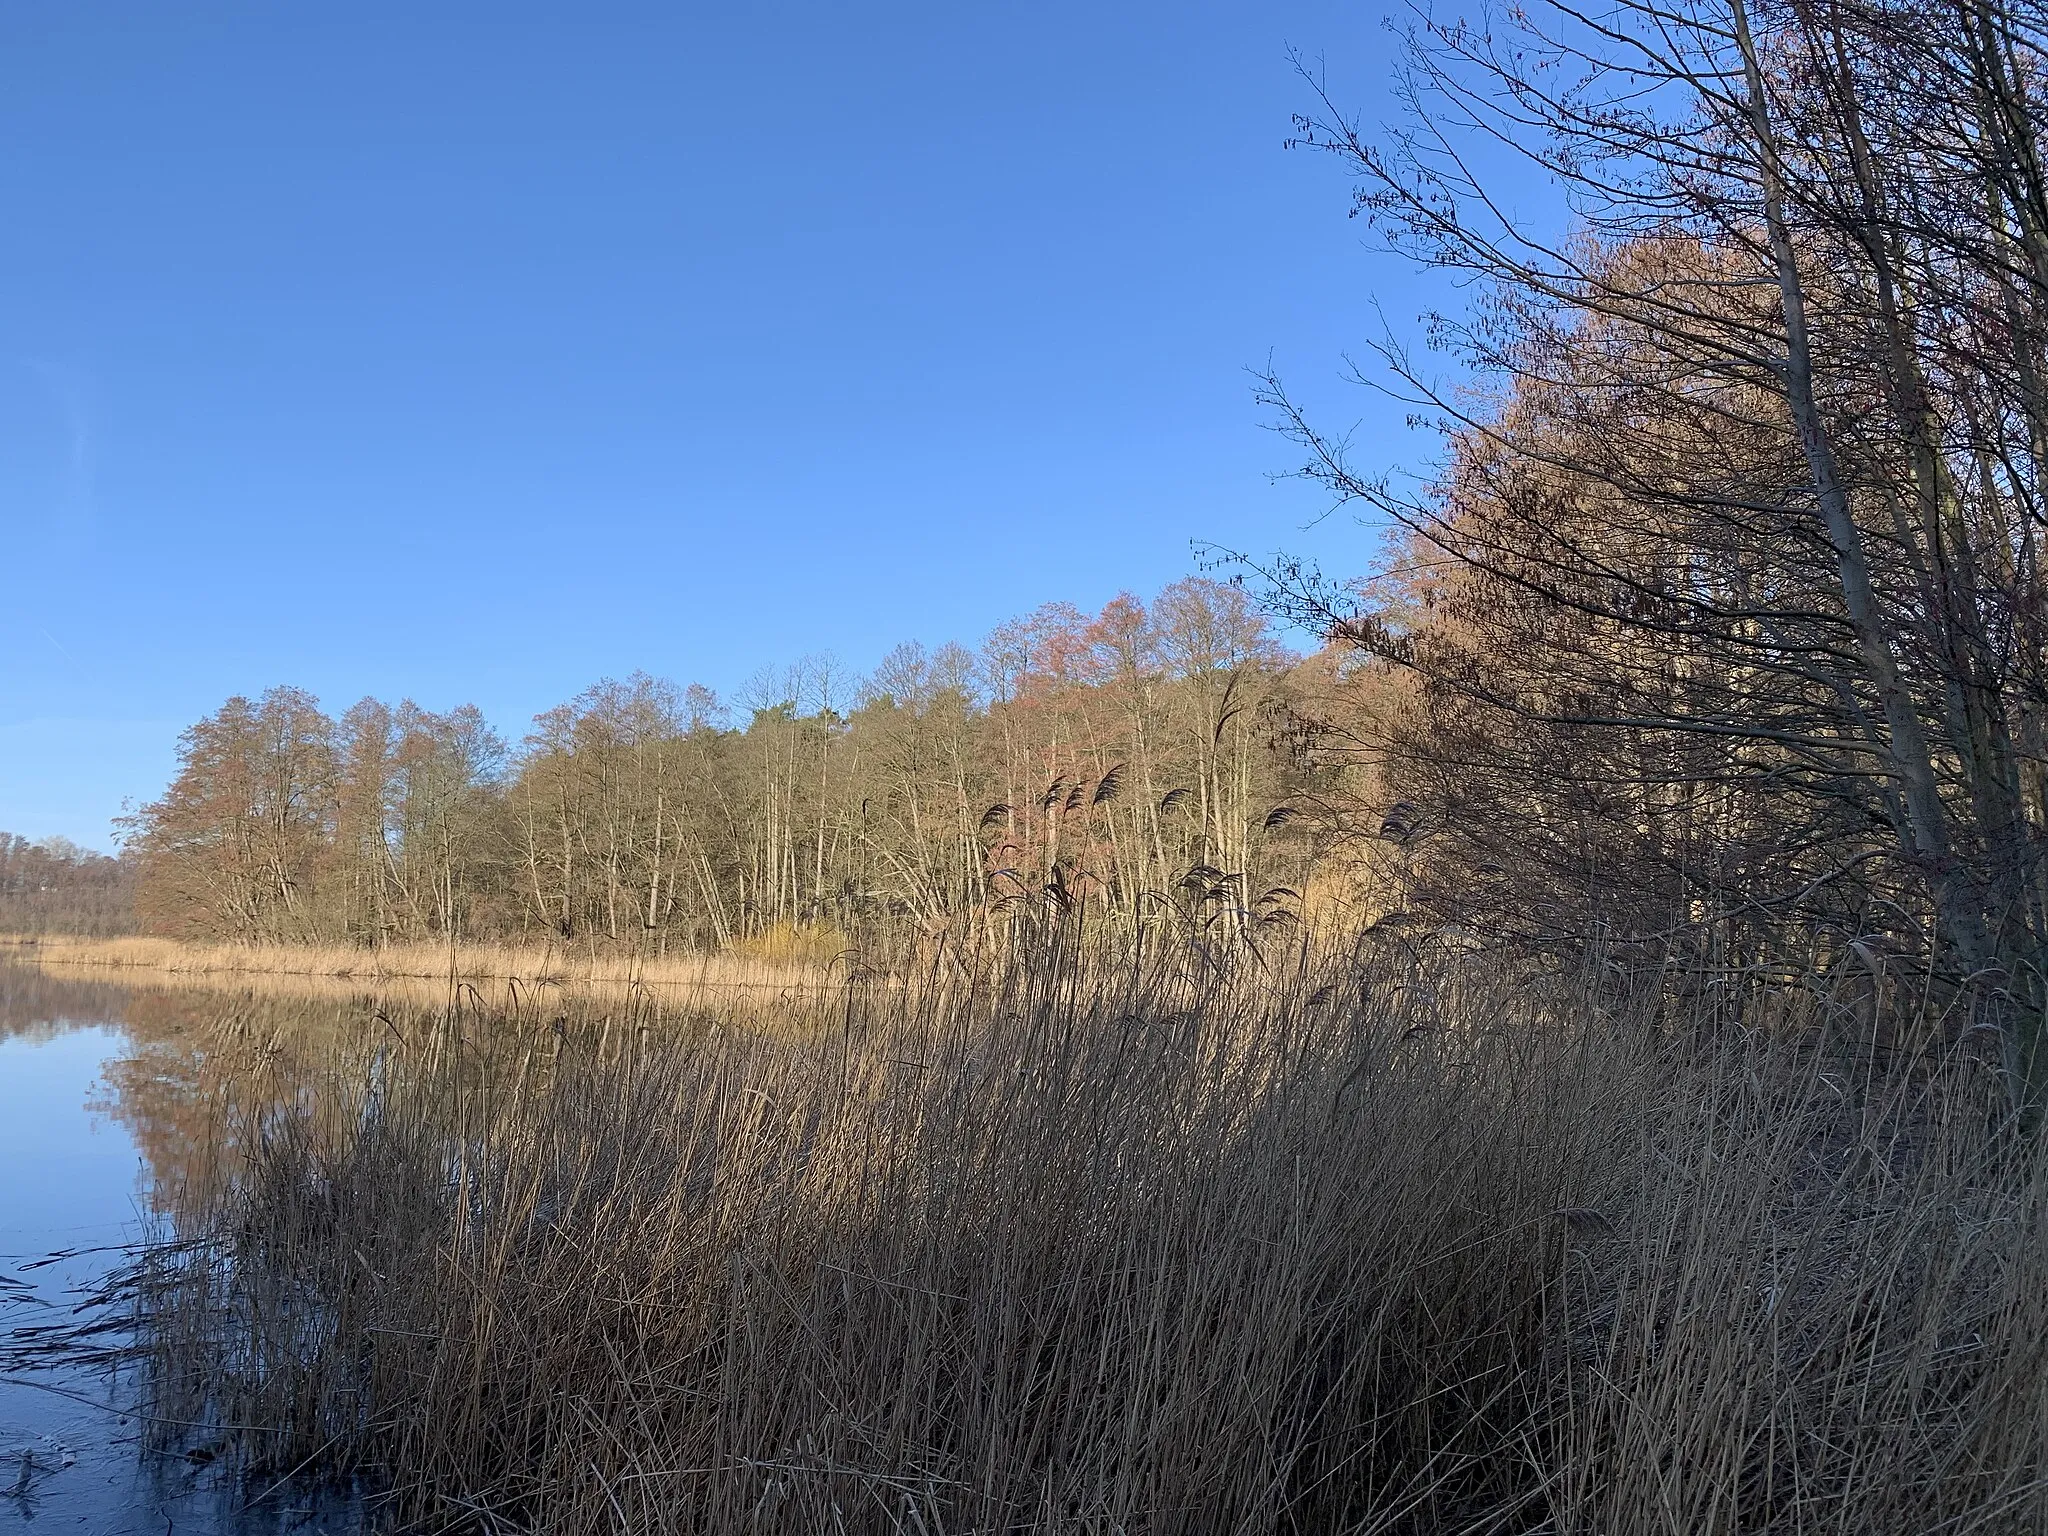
(1147, 762)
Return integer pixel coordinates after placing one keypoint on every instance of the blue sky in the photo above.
(475, 353)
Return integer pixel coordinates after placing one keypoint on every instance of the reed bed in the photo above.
(564, 969)
(1134, 1252)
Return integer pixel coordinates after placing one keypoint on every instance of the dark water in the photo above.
(107, 1097)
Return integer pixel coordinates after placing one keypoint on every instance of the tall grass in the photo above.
(1133, 1253)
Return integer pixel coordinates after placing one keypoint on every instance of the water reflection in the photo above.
(122, 1112)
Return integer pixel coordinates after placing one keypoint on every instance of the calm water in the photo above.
(106, 1098)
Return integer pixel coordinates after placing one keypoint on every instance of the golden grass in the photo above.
(1359, 1253)
(501, 972)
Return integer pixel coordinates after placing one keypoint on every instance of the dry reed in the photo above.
(527, 967)
(1144, 1253)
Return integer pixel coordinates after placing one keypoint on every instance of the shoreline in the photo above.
(410, 966)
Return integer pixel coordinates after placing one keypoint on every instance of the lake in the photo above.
(110, 1100)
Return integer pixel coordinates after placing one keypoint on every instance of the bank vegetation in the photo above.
(1410, 1245)
(505, 970)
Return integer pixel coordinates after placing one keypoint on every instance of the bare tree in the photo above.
(1749, 515)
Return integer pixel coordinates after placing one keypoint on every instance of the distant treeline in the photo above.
(55, 886)
(1143, 763)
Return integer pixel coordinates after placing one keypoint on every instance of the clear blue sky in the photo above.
(476, 353)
